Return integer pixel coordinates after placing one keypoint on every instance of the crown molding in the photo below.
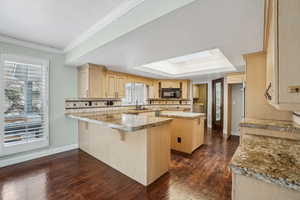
(108, 19)
(31, 45)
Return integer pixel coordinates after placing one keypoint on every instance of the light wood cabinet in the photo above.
(170, 84)
(91, 81)
(156, 89)
(235, 78)
(185, 89)
(120, 83)
(95, 81)
(111, 86)
(283, 47)
(115, 87)
(195, 91)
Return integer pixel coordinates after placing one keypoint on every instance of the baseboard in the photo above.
(34, 155)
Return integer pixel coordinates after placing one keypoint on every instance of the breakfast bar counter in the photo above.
(135, 145)
(120, 121)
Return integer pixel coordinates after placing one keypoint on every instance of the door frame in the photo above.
(214, 126)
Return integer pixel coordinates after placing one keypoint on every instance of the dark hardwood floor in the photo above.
(75, 175)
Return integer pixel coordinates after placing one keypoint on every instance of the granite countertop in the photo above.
(120, 121)
(275, 125)
(174, 114)
(133, 111)
(273, 160)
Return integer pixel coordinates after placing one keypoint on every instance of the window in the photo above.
(135, 93)
(24, 100)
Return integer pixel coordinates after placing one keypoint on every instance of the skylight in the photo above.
(210, 61)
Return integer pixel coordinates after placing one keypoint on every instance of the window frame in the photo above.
(45, 142)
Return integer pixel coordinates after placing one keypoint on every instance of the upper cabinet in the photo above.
(235, 78)
(115, 85)
(283, 47)
(95, 81)
(170, 84)
(196, 91)
(185, 88)
(154, 90)
(91, 81)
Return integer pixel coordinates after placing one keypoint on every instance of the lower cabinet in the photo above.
(248, 188)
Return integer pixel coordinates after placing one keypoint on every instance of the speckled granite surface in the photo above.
(132, 111)
(272, 160)
(276, 125)
(120, 121)
(174, 114)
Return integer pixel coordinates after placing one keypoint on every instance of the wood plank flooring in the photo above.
(75, 175)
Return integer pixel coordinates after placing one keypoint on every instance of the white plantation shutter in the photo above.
(24, 102)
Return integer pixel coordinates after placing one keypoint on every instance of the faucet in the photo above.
(137, 106)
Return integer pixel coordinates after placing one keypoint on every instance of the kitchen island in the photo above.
(135, 145)
(187, 130)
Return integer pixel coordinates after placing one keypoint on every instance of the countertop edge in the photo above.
(183, 117)
(270, 127)
(261, 176)
(120, 127)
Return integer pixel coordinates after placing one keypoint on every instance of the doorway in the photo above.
(236, 108)
(217, 103)
(200, 98)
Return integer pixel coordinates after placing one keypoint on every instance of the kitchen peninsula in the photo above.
(136, 145)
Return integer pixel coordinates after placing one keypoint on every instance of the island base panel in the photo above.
(187, 134)
(143, 155)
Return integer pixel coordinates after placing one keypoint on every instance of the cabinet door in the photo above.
(289, 48)
(176, 84)
(155, 90)
(83, 82)
(111, 86)
(164, 84)
(184, 90)
(97, 75)
(120, 86)
(195, 91)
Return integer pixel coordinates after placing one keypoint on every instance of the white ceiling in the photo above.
(55, 23)
(233, 26)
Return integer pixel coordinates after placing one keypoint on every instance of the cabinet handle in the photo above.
(267, 94)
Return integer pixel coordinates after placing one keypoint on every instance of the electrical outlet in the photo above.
(178, 139)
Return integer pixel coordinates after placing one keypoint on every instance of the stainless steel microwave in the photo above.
(170, 93)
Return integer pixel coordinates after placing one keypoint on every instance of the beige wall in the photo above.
(256, 104)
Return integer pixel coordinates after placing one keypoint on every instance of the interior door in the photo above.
(218, 103)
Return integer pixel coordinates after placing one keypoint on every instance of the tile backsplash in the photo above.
(90, 103)
(113, 105)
